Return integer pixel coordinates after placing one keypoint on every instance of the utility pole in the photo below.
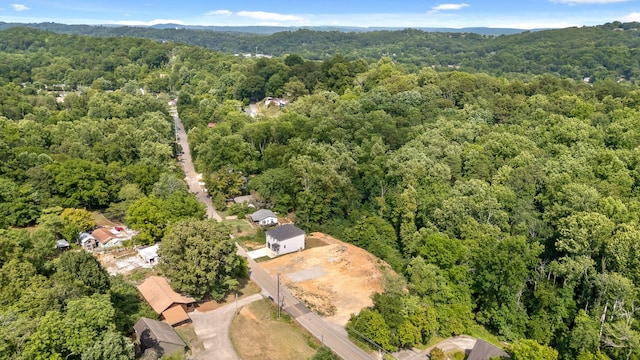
(278, 295)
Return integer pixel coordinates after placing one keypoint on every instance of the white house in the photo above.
(285, 239)
(88, 241)
(264, 217)
(149, 254)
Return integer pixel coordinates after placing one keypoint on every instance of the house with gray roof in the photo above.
(284, 239)
(264, 217)
(483, 350)
(159, 336)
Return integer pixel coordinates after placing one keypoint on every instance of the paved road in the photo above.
(189, 170)
(212, 328)
(334, 338)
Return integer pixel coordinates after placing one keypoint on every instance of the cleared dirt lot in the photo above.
(333, 278)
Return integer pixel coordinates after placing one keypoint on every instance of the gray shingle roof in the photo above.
(262, 214)
(284, 232)
(161, 331)
(485, 351)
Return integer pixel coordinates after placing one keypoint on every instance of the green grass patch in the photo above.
(138, 275)
(257, 334)
(240, 227)
(101, 220)
(479, 331)
(188, 335)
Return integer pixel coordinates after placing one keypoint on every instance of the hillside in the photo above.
(508, 201)
(605, 51)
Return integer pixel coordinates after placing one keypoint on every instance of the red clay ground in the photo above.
(333, 278)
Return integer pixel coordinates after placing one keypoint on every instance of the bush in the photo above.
(438, 354)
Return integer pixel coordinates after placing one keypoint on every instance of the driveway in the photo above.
(462, 343)
(212, 328)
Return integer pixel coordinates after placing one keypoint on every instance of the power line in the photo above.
(371, 342)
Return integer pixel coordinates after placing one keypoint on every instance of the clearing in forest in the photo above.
(333, 278)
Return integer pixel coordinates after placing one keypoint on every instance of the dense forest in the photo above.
(504, 200)
(106, 146)
(597, 52)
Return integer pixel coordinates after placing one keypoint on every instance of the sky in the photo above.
(520, 14)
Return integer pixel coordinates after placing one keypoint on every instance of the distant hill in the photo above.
(265, 30)
(604, 51)
(274, 29)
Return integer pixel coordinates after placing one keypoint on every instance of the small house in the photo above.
(159, 336)
(285, 239)
(87, 241)
(149, 254)
(170, 305)
(246, 199)
(113, 236)
(264, 217)
(483, 350)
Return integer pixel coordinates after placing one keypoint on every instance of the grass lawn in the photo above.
(240, 227)
(257, 334)
(478, 331)
(137, 276)
(101, 220)
(188, 335)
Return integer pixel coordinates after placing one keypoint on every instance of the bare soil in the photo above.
(338, 279)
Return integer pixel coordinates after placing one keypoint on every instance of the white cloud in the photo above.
(146, 23)
(19, 7)
(587, 2)
(634, 16)
(449, 7)
(219, 13)
(269, 16)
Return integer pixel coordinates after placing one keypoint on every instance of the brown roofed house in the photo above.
(172, 306)
(103, 235)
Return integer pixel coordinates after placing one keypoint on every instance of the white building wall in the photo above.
(268, 221)
(288, 246)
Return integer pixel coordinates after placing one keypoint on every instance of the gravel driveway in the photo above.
(212, 329)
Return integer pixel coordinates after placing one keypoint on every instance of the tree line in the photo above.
(597, 52)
